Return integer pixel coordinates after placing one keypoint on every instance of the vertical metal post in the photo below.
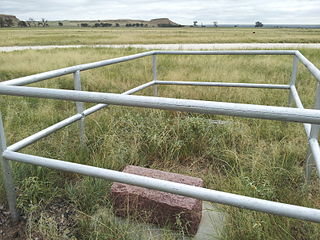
(154, 71)
(79, 106)
(308, 165)
(314, 133)
(7, 176)
(293, 76)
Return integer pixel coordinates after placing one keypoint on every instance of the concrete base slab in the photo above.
(212, 222)
(211, 226)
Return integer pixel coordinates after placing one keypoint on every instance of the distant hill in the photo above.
(13, 21)
(163, 21)
(158, 22)
(8, 20)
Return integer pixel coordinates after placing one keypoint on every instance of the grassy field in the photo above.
(258, 158)
(51, 36)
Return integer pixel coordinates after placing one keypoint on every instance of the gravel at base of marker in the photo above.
(195, 46)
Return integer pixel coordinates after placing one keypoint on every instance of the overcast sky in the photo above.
(180, 11)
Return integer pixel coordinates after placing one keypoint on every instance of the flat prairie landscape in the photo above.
(62, 36)
(252, 157)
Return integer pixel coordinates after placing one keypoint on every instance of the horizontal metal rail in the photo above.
(102, 105)
(49, 130)
(282, 209)
(231, 52)
(299, 114)
(197, 106)
(224, 84)
(309, 65)
(63, 71)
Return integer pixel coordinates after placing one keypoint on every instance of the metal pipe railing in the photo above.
(8, 176)
(309, 65)
(79, 106)
(224, 84)
(295, 96)
(315, 149)
(47, 131)
(282, 209)
(230, 52)
(64, 71)
(299, 114)
(197, 106)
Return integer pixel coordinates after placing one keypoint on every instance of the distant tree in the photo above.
(146, 25)
(84, 25)
(215, 24)
(106, 24)
(43, 23)
(60, 24)
(117, 25)
(1, 22)
(97, 25)
(22, 24)
(195, 23)
(259, 24)
(31, 22)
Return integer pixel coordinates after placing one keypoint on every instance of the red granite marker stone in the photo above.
(161, 208)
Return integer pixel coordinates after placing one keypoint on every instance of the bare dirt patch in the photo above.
(11, 230)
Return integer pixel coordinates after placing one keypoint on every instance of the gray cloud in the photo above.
(181, 11)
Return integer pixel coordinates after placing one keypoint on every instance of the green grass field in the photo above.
(258, 158)
(51, 36)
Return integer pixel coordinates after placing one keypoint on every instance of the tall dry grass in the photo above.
(54, 36)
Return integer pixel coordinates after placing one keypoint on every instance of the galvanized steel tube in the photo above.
(8, 176)
(296, 98)
(154, 73)
(315, 149)
(197, 106)
(224, 84)
(43, 133)
(102, 105)
(63, 71)
(55, 127)
(282, 209)
(230, 52)
(312, 68)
